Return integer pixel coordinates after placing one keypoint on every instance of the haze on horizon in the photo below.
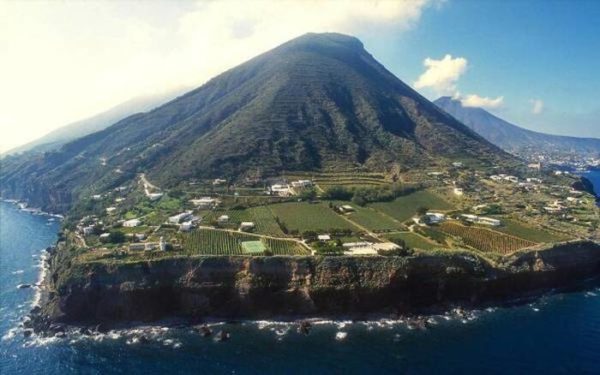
(64, 61)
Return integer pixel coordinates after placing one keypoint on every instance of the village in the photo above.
(352, 213)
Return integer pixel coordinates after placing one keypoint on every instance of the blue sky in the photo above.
(521, 50)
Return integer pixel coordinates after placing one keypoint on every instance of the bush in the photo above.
(396, 252)
(338, 193)
(116, 236)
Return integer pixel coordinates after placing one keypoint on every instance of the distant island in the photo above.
(307, 181)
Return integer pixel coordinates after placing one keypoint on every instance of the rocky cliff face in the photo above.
(262, 287)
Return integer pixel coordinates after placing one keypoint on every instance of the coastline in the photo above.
(217, 289)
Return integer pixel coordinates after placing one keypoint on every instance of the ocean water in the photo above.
(557, 334)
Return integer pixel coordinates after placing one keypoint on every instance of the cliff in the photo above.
(262, 287)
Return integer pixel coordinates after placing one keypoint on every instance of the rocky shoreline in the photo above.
(95, 296)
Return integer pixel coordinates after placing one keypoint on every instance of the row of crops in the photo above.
(220, 242)
(485, 239)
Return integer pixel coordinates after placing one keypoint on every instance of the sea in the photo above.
(558, 334)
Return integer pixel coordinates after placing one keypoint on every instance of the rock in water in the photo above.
(222, 336)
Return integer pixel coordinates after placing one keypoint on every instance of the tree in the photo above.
(116, 236)
(422, 210)
(308, 194)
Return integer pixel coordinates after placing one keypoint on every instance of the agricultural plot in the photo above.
(303, 216)
(486, 239)
(219, 242)
(414, 241)
(529, 233)
(261, 216)
(405, 207)
(372, 219)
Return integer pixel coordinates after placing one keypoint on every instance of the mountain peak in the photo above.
(330, 40)
(319, 102)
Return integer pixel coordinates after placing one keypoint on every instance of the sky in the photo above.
(533, 63)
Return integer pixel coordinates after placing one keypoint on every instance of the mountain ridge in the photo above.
(317, 102)
(510, 137)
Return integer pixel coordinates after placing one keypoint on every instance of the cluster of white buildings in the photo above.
(504, 177)
(285, 190)
(147, 246)
(367, 248)
(205, 203)
(481, 220)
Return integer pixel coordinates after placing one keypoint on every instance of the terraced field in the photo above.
(347, 179)
(303, 216)
(486, 239)
(405, 207)
(219, 242)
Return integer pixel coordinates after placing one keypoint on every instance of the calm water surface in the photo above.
(558, 334)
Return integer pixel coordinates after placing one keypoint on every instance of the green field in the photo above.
(218, 242)
(303, 216)
(529, 233)
(405, 207)
(372, 219)
(414, 241)
(261, 216)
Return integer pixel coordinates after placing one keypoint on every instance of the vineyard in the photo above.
(485, 239)
(372, 219)
(304, 216)
(219, 242)
(261, 216)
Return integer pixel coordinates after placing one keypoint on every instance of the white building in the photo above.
(223, 219)
(110, 210)
(204, 202)
(246, 225)
(481, 220)
(280, 190)
(458, 191)
(435, 217)
(176, 219)
(186, 226)
(346, 208)
(154, 196)
(218, 181)
(132, 223)
(324, 237)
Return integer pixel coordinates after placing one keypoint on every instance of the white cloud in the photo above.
(62, 61)
(475, 100)
(442, 75)
(537, 106)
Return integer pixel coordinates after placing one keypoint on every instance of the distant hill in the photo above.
(319, 102)
(513, 138)
(78, 129)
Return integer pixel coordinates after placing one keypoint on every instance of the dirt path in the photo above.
(147, 184)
